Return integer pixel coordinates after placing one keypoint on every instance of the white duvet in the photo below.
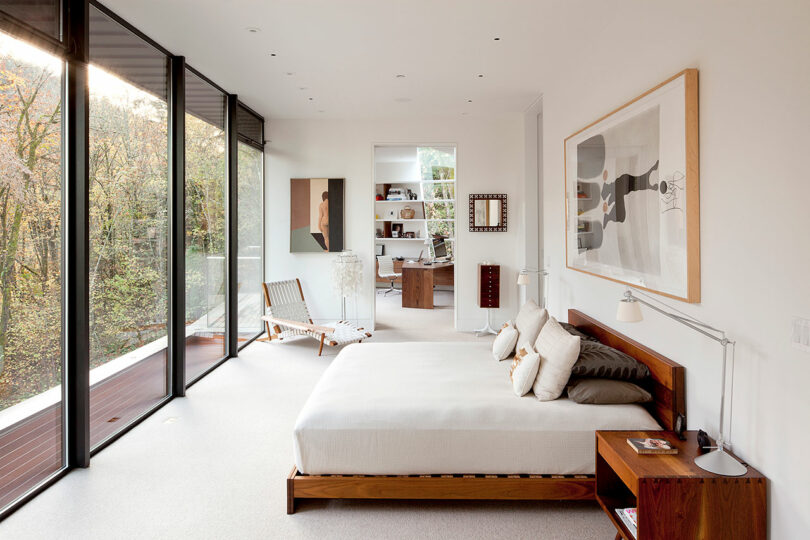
(427, 408)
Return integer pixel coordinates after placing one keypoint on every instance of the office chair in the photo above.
(386, 271)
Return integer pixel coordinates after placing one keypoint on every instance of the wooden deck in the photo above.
(31, 450)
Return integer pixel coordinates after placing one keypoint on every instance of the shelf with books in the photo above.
(610, 505)
(421, 178)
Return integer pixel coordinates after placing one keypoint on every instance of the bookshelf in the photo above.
(419, 180)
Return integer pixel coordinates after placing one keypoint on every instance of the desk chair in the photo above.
(387, 272)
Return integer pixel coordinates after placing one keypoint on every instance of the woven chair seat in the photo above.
(285, 301)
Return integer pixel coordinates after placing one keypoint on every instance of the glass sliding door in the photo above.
(250, 212)
(206, 188)
(129, 190)
(31, 287)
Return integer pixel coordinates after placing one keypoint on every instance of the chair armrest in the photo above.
(298, 324)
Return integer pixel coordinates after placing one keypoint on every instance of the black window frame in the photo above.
(257, 145)
(73, 49)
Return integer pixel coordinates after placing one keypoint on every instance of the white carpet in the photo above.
(213, 465)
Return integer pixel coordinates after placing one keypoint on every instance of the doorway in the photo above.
(415, 238)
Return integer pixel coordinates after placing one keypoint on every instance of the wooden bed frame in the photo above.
(666, 386)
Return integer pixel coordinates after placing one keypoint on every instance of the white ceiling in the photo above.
(347, 53)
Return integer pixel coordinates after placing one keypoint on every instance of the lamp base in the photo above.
(719, 462)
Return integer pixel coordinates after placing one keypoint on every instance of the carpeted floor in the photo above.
(213, 465)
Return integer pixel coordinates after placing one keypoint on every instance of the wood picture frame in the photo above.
(669, 400)
(632, 192)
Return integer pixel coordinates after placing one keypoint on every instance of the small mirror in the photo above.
(488, 213)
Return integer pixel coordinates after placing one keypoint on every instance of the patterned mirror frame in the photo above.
(487, 196)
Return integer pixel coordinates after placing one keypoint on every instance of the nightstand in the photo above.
(674, 497)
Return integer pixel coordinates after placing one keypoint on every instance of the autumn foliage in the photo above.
(128, 220)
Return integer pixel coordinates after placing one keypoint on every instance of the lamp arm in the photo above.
(694, 324)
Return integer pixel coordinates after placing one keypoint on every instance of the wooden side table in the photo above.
(674, 497)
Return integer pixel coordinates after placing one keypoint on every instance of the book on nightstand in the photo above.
(628, 517)
(651, 446)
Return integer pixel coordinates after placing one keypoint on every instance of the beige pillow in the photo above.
(558, 353)
(504, 344)
(524, 370)
(529, 322)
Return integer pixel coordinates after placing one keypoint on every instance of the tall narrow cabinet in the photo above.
(489, 286)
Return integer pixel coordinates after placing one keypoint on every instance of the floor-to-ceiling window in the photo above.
(31, 290)
(251, 213)
(111, 267)
(129, 189)
(206, 188)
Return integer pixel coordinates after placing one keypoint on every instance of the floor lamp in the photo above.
(717, 461)
(524, 279)
(347, 275)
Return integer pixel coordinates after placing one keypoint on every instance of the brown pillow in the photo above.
(574, 331)
(606, 391)
(598, 360)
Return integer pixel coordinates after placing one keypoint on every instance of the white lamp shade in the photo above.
(523, 279)
(629, 311)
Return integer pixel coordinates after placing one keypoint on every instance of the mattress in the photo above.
(431, 408)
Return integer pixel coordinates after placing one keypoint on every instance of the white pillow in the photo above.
(524, 370)
(504, 344)
(529, 322)
(558, 353)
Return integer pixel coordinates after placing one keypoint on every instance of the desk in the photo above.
(418, 280)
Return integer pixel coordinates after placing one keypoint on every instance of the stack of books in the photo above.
(629, 517)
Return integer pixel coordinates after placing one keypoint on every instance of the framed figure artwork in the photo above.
(316, 215)
(632, 192)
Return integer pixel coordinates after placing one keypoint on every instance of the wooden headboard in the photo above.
(667, 385)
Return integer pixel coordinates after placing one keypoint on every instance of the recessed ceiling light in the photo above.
(480, 75)
(253, 29)
(272, 54)
(302, 87)
(290, 73)
(464, 114)
(310, 99)
(496, 39)
(469, 101)
(400, 76)
(321, 110)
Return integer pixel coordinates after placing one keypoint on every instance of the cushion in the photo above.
(606, 391)
(524, 370)
(505, 341)
(529, 322)
(574, 331)
(558, 353)
(598, 360)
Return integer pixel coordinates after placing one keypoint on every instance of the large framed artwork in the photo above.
(316, 215)
(632, 192)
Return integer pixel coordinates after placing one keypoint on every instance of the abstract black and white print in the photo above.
(626, 195)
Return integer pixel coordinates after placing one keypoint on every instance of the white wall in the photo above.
(531, 256)
(490, 159)
(754, 62)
